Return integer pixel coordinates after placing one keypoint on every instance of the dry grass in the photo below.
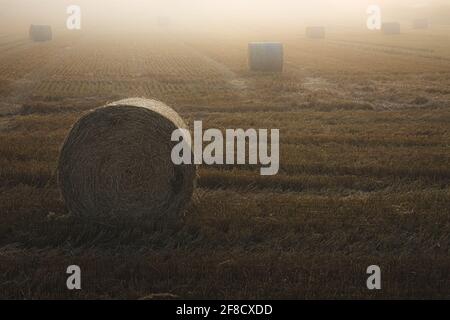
(364, 177)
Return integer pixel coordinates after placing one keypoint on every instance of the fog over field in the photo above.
(362, 124)
(134, 15)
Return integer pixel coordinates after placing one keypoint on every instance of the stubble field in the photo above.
(364, 175)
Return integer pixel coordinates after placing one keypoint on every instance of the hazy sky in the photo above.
(107, 13)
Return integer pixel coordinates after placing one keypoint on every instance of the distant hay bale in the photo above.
(265, 56)
(389, 28)
(41, 33)
(315, 32)
(116, 162)
(421, 24)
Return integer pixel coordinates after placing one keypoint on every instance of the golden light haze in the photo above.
(136, 15)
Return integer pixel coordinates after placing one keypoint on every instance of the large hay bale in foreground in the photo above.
(315, 32)
(116, 162)
(265, 56)
(41, 33)
(389, 28)
(421, 24)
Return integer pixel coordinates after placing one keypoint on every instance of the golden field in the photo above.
(364, 175)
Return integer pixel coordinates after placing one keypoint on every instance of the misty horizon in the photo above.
(137, 15)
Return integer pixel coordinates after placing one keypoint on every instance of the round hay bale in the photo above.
(40, 33)
(116, 162)
(265, 56)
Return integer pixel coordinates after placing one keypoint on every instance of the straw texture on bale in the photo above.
(265, 56)
(389, 28)
(41, 33)
(116, 161)
(315, 32)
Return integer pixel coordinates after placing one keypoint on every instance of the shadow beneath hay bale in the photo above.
(107, 232)
(130, 223)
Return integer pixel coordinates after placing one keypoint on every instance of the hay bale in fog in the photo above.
(116, 162)
(389, 28)
(41, 33)
(265, 56)
(315, 32)
(421, 24)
